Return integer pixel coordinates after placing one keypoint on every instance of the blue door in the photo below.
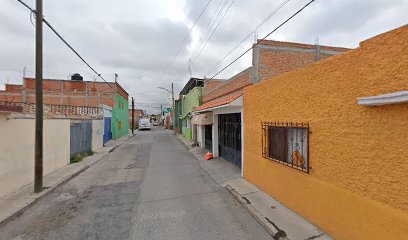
(107, 129)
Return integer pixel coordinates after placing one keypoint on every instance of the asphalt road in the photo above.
(150, 187)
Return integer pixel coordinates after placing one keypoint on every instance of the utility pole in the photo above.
(116, 80)
(38, 162)
(133, 115)
(174, 110)
(161, 114)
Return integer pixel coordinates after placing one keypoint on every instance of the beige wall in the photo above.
(17, 150)
(97, 134)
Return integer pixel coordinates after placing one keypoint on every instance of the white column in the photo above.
(215, 136)
(202, 136)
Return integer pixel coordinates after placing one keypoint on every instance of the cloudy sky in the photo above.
(142, 41)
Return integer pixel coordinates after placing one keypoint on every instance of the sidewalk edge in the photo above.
(45, 192)
(275, 232)
(41, 196)
(272, 231)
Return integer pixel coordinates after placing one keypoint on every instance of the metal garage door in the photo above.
(81, 137)
(229, 134)
(208, 137)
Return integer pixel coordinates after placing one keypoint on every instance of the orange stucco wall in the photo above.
(357, 187)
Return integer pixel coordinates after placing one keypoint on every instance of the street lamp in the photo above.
(172, 104)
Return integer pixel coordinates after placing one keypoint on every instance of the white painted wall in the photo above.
(17, 150)
(215, 135)
(97, 134)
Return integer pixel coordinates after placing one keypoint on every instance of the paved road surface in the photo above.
(150, 187)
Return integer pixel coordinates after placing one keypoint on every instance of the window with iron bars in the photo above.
(286, 143)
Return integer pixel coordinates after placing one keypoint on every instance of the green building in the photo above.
(178, 104)
(190, 98)
(120, 117)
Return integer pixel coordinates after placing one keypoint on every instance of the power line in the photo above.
(210, 25)
(280, 25)
(247, 36)
(66, 43)
(212, 33)
(188, 34)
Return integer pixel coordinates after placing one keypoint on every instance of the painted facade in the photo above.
(178, 104)
(17, 150)
(357, 185)
(190, 101)
(224, 97)
(120, 117)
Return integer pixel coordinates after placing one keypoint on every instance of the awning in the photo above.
(203, 119)
(220, 102)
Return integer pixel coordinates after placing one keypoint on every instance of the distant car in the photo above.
(155, 124)
(144, 124)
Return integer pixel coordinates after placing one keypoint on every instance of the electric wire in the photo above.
(66, 43)
(249, 49)
(247, 36)
(189, 32)
(215, 29)
(220, 8)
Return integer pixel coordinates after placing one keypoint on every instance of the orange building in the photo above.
(330, 140)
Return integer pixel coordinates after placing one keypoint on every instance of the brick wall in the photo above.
(231, 86)
(65, 92)
(272, 58)
(56, 111)
(212, 84)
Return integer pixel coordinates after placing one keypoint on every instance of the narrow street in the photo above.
(150, 187)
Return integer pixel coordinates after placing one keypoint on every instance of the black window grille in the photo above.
(286, 143)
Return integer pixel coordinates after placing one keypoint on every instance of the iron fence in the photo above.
(286, 143)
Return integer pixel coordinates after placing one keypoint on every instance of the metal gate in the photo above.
(229, 134)
(81, 138)
(208, 137)
(107, 129)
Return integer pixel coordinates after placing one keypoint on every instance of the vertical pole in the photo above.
(172, 104)
(161, 115)
(38, 164)
(133, 115)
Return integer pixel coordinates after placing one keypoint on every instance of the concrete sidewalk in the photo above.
(15, 203)
(277, 219)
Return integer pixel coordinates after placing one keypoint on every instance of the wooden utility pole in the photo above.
(38, 163)
(133, 115)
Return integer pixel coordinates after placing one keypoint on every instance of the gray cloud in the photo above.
(138, 39)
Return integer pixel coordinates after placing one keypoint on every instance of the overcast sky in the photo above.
(139, 40)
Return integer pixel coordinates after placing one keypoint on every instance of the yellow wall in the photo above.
(17, 150)
(357, 187)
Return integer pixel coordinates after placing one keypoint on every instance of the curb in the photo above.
(42, 195)
(51, 189)
(271, 228)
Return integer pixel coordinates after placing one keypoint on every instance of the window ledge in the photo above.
(385, 99)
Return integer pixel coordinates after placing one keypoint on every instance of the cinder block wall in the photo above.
(357, 187)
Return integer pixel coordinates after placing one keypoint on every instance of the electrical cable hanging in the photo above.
(249, 49)
(213, 21)
(188, 34)
(247, 36)
(66, 43)
(212, 33)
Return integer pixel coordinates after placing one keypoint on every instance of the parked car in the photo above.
(144, 123)
(155, 123)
